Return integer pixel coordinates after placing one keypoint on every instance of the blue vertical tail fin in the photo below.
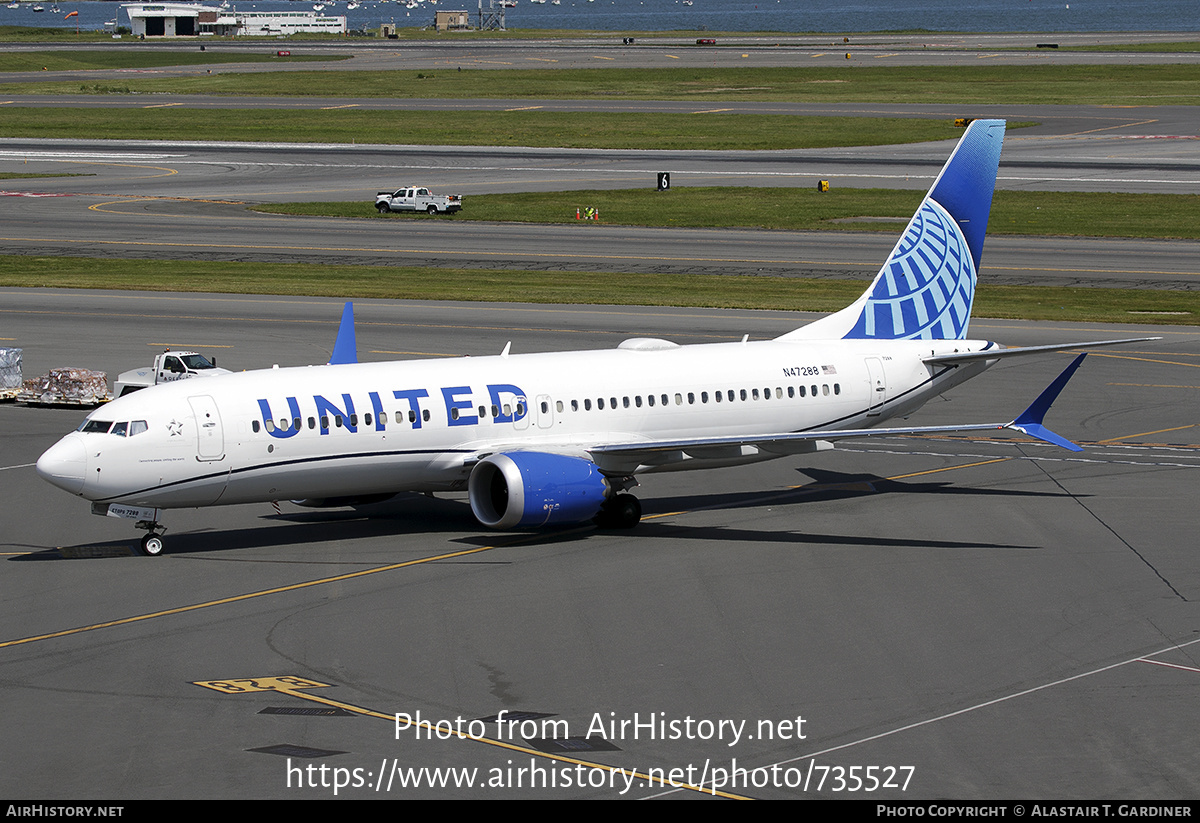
(927, 286)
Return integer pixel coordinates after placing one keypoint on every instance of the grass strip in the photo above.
(1173, 84)
(713, 291)
(16, 175)
(1178, 47)
(474, 128)
(1090, 214)
(75, 60)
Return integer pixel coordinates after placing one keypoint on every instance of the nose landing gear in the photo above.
(152, 543)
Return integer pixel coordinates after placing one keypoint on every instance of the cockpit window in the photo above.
(120, 429)
(197, 362)
(137, 427)
(95, 426)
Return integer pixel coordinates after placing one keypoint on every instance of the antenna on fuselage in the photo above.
(345, 348)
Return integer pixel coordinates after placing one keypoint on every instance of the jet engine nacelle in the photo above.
(532, 489)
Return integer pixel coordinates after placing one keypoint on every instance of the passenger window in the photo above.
(613, 402)
(703, 397)
(742, 394)
(254, 426)
(270, 424)
(637, 400)
(791, 391)
(678, 399)
(324, 422)
(731, 395)
(691, 398)
(625, 402)
(520, 411)
(814, 390)
(755, 393)
(600, 403)
(803, 391)
(312, 422)
(717, 396)
(296, 424)
(558, 406)
(650, 399)
(482, 412)
(495, 411)
(412, 416)
(837, 388)
(545, 407)
(825, 389)
(587, 404)
(574, 405)
(367, 419)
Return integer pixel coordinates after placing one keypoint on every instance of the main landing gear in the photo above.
(620, 512)
(152, 543)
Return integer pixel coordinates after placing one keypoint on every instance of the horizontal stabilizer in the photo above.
(996, 353)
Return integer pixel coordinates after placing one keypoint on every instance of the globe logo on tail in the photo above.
(926, 288)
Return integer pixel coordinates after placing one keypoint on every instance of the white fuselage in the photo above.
(371, 428)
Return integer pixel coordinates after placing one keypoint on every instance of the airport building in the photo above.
(195, 20)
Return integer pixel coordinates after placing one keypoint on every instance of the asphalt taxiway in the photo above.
(976, 618)
(181, 200)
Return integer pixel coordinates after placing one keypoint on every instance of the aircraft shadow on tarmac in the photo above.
(413, 514)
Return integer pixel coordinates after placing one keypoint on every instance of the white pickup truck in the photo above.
(168, 367)
(416, 198)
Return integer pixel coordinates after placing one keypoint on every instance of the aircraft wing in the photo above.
(627, 456)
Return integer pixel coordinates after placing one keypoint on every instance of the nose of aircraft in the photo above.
(64, 464)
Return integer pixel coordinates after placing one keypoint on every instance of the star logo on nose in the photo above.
(175, 427)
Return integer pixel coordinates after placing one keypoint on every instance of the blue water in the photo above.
(833, 16)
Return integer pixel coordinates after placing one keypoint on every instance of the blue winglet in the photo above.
(1030, 421)
(345, 348)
